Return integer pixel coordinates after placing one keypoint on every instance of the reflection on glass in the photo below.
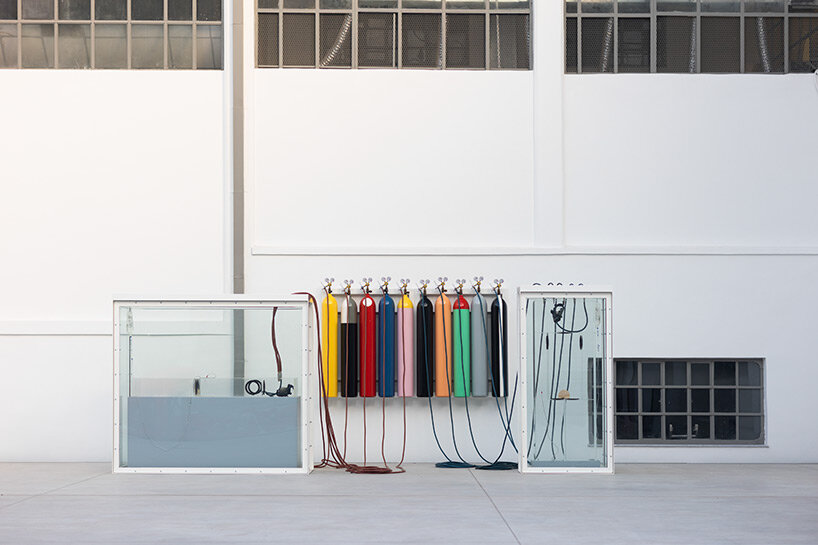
(465, 4)
(75, 9)
(8, 46)
(111, 10)
(627, 400)
(651, 400)
(209, 10)
(299, 4)
(267, 4)
(111, 46)
(147, 10)
(180, 10)
(335, 4)
(724, 373)
(675, 5)
(564, 380)
(700, 374)
(676, 373)
(652, 427)
(38, 9)
(209, 46)
(749, 401)
(423, 4)
(74, 46)
(721, 5)
(651, 373)
(634, 6)
(627, 427)
(749, 428)
(749, 373)
(8, 9)
(626, 373)
(507, 4)
(147, 46)
(570, 6)
(763, 6)
(180, 46)
(597, 6)
(725, 427)
(38, 46)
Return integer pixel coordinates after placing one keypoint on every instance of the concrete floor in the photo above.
(685, 504)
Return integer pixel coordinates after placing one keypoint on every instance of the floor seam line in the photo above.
(510, 529)
(48, 492)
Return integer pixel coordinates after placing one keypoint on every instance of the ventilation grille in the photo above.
(720, 45)
(376, 39)
(510, 42)
(597, 45)
(764, 45)
(299, 39)
(676, 44)
(335, 39)
(634, 45)
(422, 45)
(803, 44)
(571, 46)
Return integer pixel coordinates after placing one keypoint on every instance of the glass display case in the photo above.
(211, 386)
(566, 385)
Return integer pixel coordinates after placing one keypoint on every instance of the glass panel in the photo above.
(597, 44)
(421, 40)
(111, 46)
(803, 6)
(74, 46)
(514, 34)
(634, 45)
(571, 45)
(180, 46)
(633, 6)
(465, 41)
(721, 5)
(267, 4)
(75, 9)
(147, 46)
(299, 4)
(749, 428)
(749, 373)
(377, 39)
(724, 373)
(803, 44)
(724, 400)
(335, 39)
(700, 400)
(676, 427)
(627, 400)
(209, 46)
(700, 374)
(299, 39)
(37, 9)
(465, 4)
(725, 427)
(8, 46)
(676, 400)
(561, 379)
(720, 45)
(676, 5)
(180, 10)
(597, 6)
(570, 6)
(626, 373)
(377, 4)
(8, 9)
(676, 49)
(627, 427)
(147, 10)
(111, 10)
(651, 400)
(749, 401)
(268, 39)
(506, 4)
(700, 427)
(761, 6)
(651, 427)
(180, 406)
(423, 4)
(209, 10)
(38, 46)
(676, 373)
(335, 4)
(651, 373)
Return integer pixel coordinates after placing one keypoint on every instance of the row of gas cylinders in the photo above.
(389, 348)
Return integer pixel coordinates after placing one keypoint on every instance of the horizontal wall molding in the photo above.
(410, 251)
(49, 328)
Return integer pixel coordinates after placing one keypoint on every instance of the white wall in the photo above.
(112, 182)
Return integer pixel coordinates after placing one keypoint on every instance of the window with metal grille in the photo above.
(689, 401)
(691, 36)
(430, 34)
(155, 34)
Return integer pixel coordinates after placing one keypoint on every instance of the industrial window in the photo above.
(689, 402)
(153, 34)
(431, 34)
(691, 36)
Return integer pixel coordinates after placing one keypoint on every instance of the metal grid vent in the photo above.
(803, 44)
(634, 45)
(268, 39)
(510, 42)
(422, 42)
(336, 39)
(764, 45)
(571, 46)
(720, 45)
(691, 36)
(376, 39)
(299, 39)
(465, 41)
(597, 44)
(676, 44)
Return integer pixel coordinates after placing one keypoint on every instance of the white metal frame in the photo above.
(227, 302)
(537, 292)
